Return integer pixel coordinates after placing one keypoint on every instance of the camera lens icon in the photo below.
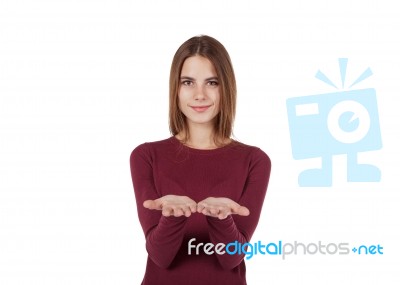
(348, 122)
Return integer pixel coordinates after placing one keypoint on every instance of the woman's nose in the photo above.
(200, 93)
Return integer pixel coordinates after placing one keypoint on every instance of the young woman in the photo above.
(199, 186)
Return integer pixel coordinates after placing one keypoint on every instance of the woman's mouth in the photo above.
(200, 108)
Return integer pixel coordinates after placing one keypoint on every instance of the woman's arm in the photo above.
(164, 233)
(239, 227)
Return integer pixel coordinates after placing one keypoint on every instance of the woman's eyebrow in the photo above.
(207, 79)
(187, 77)
(212, 78)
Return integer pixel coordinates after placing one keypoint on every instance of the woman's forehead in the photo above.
(198, 67)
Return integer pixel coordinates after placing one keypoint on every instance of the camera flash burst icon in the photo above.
(343, 122)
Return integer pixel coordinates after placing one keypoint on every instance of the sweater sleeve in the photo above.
(163, 235)
(240, 228)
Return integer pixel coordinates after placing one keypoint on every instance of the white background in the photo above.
(83, 82)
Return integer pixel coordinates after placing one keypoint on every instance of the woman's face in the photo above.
(199, 91)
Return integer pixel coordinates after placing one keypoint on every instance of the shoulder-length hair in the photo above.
(214, 51)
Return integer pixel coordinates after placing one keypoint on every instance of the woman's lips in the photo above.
(200, 108)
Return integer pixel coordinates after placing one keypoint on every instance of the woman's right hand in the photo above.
(172, 205)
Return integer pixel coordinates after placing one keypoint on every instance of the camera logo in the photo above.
(344, 122)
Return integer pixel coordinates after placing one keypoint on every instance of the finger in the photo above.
(206, 212)
(151, 205)
(166, 211)
(214, 212)
(242, 211)
(222, 216)
(193, 207)
(187, 211)
(178, 212)
(200, 208)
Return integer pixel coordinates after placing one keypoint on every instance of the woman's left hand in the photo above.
(221, 208)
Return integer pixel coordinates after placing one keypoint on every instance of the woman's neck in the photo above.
(201, 137)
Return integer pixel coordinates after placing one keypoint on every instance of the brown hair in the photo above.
(214, 51)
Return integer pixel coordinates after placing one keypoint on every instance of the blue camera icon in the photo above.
(324, 125)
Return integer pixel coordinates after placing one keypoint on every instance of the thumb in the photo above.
(151, 205)
(242, 211)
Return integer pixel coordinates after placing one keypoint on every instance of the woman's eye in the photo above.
(213, 83)
(187, 83)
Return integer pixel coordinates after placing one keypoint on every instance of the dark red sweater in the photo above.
(236, 171)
